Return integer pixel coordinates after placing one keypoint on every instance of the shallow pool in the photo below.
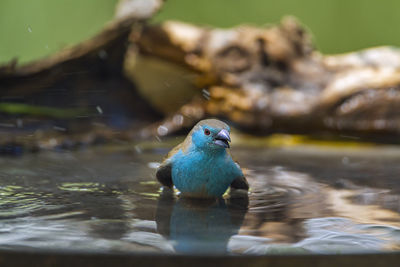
(304, 199)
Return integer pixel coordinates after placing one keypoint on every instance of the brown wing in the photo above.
(164, 175)
(240, 183)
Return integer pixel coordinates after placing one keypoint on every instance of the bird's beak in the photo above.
(222, 138)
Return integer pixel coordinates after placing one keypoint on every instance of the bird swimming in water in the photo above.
(201, 166)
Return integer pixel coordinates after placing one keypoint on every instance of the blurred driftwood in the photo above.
(273, 80)
(261, 79)
(85, 80)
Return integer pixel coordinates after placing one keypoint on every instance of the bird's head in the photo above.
(211, 135)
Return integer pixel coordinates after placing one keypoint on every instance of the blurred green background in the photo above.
(33, 29)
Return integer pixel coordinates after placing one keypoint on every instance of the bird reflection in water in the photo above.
(200, 226)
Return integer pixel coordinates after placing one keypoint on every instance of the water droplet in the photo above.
(99, 110)
(178, 119)
(162, 130)
(29, 29)
(138, 149)
(58, 128)
(206, 94)
(20, 123)
(153, 165)
(103, 54)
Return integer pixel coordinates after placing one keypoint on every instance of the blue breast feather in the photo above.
(199, 173)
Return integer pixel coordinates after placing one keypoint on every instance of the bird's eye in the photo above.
(207, 132)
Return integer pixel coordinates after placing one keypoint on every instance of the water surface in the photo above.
(303, 199)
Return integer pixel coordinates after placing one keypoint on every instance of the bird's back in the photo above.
(200, 173)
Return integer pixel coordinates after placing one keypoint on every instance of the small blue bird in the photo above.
(201, 166)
